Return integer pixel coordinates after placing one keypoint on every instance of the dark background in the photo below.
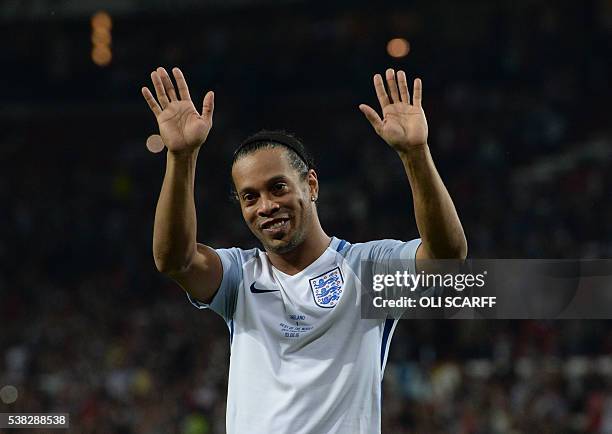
(517, 97)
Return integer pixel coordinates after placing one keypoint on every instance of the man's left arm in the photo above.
(404, 128)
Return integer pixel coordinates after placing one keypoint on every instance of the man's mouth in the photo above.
(275, 226)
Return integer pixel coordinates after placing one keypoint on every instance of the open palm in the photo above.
(181, 127)
(403, 124)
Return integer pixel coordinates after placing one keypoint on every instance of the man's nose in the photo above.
(267, 206)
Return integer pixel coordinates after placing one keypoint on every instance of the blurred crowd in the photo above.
(517, 100)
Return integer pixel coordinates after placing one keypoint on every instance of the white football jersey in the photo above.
(302, 359)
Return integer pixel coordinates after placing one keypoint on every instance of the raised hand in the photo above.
(403, 124)
(181, 127)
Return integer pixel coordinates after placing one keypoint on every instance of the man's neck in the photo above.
(303, 255)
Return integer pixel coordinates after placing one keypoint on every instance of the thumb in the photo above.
(208, 106)
(371, 116)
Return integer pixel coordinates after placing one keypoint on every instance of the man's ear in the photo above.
(313, 183)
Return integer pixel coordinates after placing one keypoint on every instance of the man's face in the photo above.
(274, 199)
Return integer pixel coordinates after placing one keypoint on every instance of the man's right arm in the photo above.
(196, 267)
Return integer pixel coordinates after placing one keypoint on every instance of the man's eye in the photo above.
(279, 186)
(248, 197)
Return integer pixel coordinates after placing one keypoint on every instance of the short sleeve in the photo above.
(387, 253)
(224, 300)
(386, 257)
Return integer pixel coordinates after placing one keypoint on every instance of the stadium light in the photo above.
(398, 47)
(101, 25)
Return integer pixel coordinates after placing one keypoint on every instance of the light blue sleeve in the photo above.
(387, 257)
(224, 300)
(384, 253)
(384, 257)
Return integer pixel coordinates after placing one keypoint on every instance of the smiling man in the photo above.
(302, 359)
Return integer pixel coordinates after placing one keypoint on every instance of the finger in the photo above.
(402, 83)
(181, 84)
(381, 94)
(159, 90)
(392, 85)
(168, 86)
(417, 92)
(208, 106)
(372, 116)
(148, 96)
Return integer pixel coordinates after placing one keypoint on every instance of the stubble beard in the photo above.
(296, 239)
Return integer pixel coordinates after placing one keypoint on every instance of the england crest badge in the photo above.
(327, 288)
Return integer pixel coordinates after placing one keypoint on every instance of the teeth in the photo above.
(277, 224)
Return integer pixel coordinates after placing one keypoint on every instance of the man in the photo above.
(302, 359)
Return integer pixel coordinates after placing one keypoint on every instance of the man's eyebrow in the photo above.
(246, 190)
(276, 179)
(268, 182)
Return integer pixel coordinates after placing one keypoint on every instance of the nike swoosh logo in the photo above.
(261, 291)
